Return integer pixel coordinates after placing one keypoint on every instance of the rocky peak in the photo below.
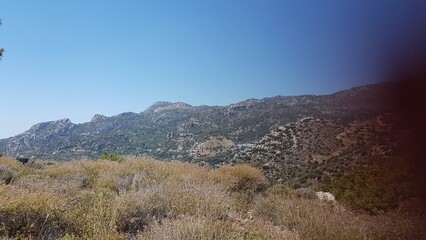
(47, 128)
(98, 118)
(164, 106)
(160, 104)
(58, 124)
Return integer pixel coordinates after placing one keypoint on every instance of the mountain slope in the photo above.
(310, 150)
(176, 130)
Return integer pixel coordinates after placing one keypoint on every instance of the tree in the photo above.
(1, 49)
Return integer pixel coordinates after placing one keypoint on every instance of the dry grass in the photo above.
(148, 199)
(313, 219)
(39, 215)
(241, 178)
(207, 228)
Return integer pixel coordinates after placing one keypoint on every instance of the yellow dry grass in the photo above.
(141, 198)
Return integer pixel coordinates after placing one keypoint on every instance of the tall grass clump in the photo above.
(242, 178)
(35, 215)
(243, 182)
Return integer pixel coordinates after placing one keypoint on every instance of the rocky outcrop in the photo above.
(37, 135)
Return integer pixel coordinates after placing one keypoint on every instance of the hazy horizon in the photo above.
(77, 59)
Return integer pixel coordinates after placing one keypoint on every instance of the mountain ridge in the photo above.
(172, 130)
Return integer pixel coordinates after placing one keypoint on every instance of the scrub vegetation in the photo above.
(141, 198)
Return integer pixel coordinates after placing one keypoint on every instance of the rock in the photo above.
(266, 166)
(325, 196)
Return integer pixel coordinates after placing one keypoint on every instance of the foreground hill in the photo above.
(312, 150)
(191, 133)
(139, 198)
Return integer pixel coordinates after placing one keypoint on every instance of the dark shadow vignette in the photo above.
(407, 100)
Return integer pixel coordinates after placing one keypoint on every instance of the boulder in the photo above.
(325, 196)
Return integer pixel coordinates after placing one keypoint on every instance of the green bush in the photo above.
(112, 157)
(376, 188)
(6, 175)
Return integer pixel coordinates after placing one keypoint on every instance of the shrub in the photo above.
(23, 160)
(6, 174)
(375, 188)
(305, 193)
(137, 210)
(37, 215)
(243, 178)
(112, 157)
(281, 190)
(96, 212)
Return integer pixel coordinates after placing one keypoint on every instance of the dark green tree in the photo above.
(1, 49)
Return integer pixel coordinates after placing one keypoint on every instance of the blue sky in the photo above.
(74, 59)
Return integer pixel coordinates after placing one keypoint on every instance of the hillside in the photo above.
(191, 133)
(310, 150)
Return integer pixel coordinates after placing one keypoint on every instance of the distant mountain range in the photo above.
(213, 134)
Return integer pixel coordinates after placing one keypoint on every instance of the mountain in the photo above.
(210, 134)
